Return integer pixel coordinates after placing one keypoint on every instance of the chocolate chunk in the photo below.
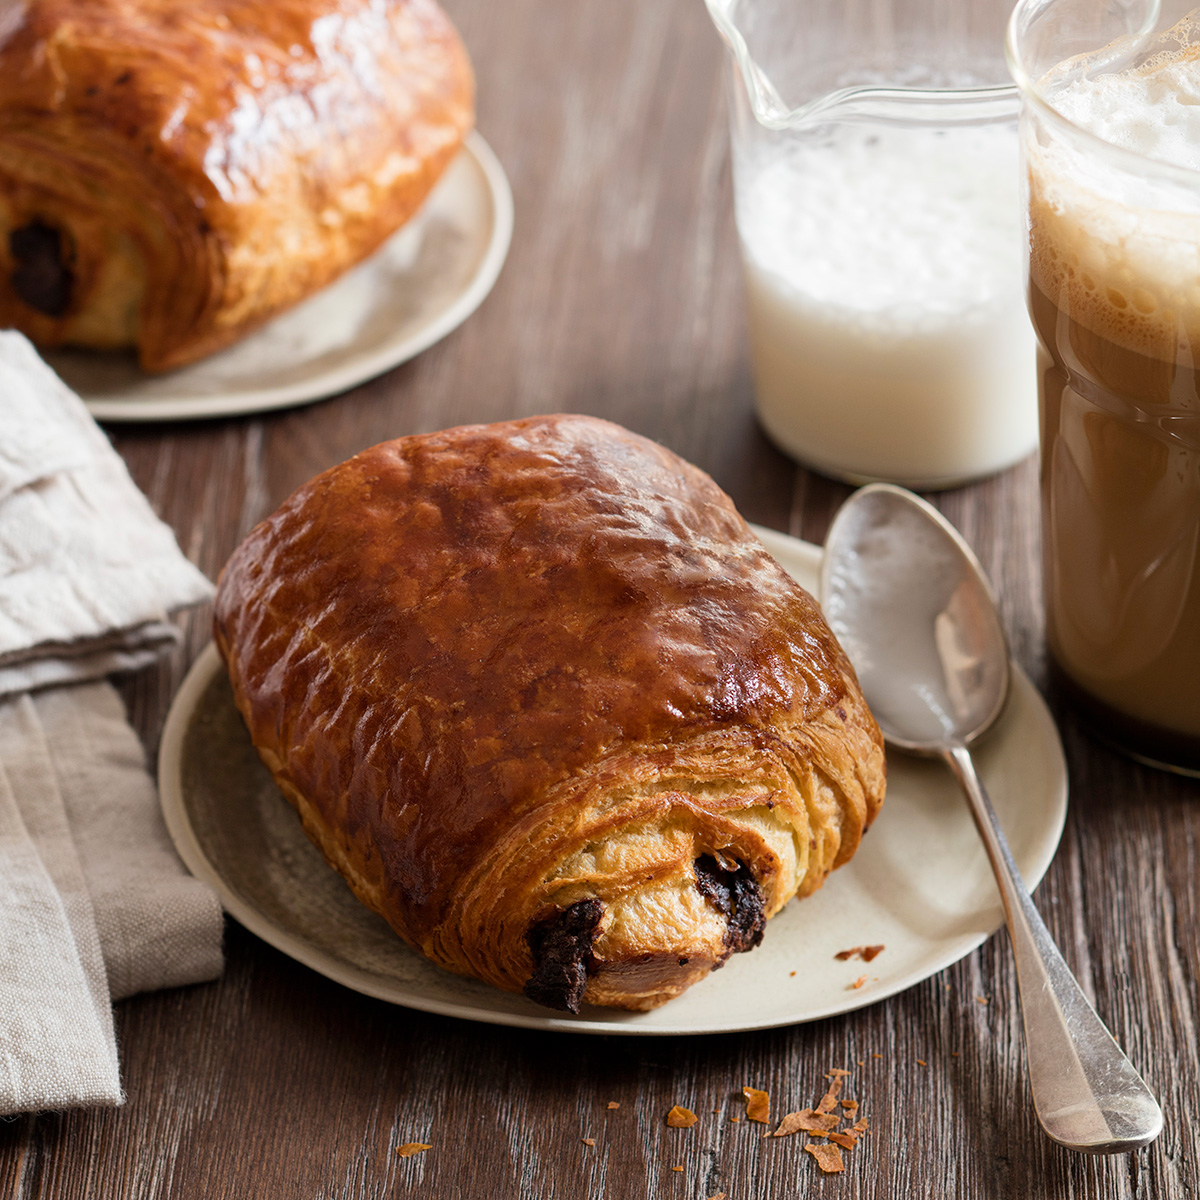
(737, 895)
(562, 949)
(42, 278)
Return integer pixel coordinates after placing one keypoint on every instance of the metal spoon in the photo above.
(913, 610)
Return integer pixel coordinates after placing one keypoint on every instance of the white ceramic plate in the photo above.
(422, 283)
(920, 883)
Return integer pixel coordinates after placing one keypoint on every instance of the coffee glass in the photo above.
(1111, 168)
(875, 189)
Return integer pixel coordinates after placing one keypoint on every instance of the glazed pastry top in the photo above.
(515, 604)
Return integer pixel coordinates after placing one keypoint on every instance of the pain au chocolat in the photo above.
(175, 172)
(540, 695)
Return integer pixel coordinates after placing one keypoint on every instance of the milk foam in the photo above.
(1117, 245)
(888, 324)
(1152, 109)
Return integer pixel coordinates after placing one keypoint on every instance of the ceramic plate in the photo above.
(422, 283)
(920, 884)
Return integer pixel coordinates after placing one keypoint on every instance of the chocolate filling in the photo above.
(736, 894)
(562, 949)
(42, 278)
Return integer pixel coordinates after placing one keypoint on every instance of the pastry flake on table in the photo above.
(549, 706)
(173, 173)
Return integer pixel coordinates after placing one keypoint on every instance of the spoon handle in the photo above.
(1087, 1095)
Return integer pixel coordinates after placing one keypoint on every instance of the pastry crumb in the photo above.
(829, 1158)
(758, 1104)
(411, 1148)
(823, 1124)
(589, 1141)
(807, 1120)
(858, 982)
(681, 1118)
(828, 1102)
(865, 953)
(614, 1104)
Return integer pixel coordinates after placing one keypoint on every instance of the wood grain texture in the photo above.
(622, 298)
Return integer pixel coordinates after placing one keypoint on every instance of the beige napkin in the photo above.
(94, 903)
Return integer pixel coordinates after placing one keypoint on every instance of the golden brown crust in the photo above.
(504, 669)
(205, 164)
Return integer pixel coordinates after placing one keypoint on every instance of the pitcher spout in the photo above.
(911, 105)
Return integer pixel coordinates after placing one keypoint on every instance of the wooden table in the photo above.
(622, 297)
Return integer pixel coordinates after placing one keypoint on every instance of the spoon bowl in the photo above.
(914, 612)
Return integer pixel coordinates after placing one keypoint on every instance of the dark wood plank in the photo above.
(621, 297)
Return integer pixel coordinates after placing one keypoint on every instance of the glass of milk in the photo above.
(876, 190)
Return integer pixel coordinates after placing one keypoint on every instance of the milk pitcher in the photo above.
(876, 191)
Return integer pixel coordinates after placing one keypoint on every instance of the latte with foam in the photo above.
(1114, 265)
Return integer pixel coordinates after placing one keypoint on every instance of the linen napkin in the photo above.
(94, 903)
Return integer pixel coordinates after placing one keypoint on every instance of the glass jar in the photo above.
(1112, 168)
